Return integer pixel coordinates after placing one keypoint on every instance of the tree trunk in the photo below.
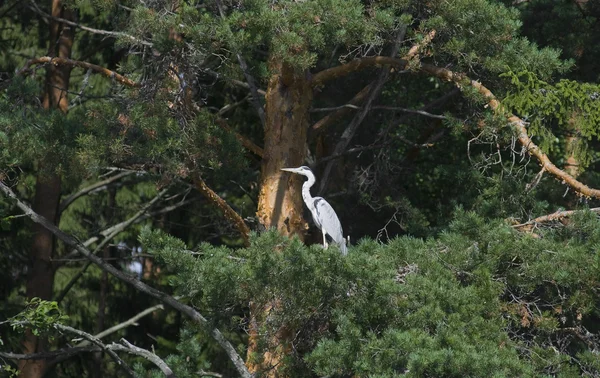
(288, 99)
(280, 206)
(40, 279)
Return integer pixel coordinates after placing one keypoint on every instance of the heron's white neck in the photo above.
(306, 190)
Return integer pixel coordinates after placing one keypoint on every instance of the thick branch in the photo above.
(220, 203)
(329, 74)
(138, 285)
(76, 63)
(360, 96)
(518, 124)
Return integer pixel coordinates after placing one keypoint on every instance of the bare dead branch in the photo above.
(227, 211)
(63, 353)
(136, 284)
(125, 324)
(130, 348)
(26, 70)
(69, 200)
(99, 344)
(229, 107)
(332, 118)
(108, 234)
(558, 215)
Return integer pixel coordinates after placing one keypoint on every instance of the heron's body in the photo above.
(322, 213)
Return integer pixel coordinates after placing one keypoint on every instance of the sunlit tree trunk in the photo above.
(40, 279)
(280, 206)
(288, 100)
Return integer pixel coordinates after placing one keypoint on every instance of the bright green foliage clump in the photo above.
(480, 299)
(567, 106)
(40, 316)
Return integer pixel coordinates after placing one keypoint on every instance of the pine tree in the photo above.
(192, 108)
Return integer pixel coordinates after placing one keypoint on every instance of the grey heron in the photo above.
(322, 213)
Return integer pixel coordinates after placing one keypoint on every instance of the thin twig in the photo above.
(109, 33)
(125, 324)
(382, 107)
(70, 199)
(244, 66)
(348, 134)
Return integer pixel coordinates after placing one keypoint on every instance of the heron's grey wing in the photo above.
(330, 223)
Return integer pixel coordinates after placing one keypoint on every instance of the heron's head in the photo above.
(303, 170)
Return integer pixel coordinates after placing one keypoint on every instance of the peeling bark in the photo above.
(288, 101)
(280, 206)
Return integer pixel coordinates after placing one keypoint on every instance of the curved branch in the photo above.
(329, 74)
(342, 111)
(462, 80)
(519, 125)
(229, 213)
(135, 283)
(360, 96)
(26, 70)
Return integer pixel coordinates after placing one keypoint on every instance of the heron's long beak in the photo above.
(293, 170)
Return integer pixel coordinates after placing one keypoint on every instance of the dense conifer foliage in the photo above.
(146, 227)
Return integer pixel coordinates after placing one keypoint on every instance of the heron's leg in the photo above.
(325, 245)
